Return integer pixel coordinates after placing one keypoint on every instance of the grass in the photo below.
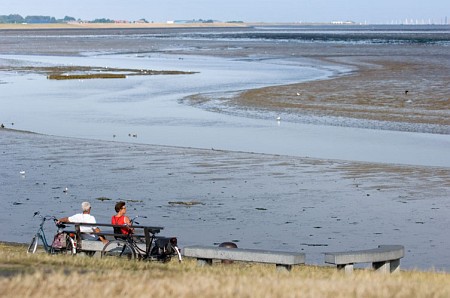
(86, 76)
(89, 72)
(24, 275)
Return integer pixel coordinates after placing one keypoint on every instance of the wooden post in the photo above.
(78, 235)
(148, 240)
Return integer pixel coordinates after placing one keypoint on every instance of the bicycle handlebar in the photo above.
(46, 217)
(134, 218)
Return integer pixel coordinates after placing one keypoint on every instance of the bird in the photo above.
(278, 118)
(298, 94)
(65, 190)
(406, 92)
(22, 172)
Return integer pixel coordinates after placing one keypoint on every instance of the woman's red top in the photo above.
(120, 221)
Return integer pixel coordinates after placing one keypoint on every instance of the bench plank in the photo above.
(92, 245)
(150, 229)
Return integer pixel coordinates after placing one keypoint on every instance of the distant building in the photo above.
(199, 21)
(141, 21)
(342, 22)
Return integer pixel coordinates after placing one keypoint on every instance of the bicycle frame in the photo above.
(40, 234)
(142, 254)
(147, 253)
(130, 248)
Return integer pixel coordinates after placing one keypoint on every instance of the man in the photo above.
(85, 217)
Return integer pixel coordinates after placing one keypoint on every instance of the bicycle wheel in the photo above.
(70, 248)
(120, 249)
(33, 245)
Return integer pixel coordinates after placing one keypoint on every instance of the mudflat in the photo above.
(256, 200)
(393, 87)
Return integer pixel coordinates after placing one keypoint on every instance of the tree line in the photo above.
(18, 19)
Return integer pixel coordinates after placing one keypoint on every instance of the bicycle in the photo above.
(62, 243)
(157, 248)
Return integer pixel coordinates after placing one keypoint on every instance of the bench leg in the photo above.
(204, 262)
(348, 268)
(387, 267)
(395, 266)
(382, 267)
(284, 268)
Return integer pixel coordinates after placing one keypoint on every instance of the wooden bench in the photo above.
(206, 254)
(384, 258)
(147, 233)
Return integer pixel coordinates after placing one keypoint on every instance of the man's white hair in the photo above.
(85, 206)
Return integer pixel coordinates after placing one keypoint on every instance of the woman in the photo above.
(121, 219)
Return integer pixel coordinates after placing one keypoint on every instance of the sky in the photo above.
(373, 11)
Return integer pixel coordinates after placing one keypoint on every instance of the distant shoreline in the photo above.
(173, 25)
(153, 25)
(118, 25)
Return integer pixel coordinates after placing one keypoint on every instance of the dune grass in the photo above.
(23, 275)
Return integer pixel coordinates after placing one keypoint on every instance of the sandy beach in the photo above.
(257, 200)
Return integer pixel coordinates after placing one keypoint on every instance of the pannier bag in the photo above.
(59, 241)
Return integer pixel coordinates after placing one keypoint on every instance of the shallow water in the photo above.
(258, 201)
(150, 108)
(136, 100)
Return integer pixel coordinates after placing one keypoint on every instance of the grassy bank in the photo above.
(23, 275)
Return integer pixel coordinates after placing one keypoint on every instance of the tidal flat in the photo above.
(256, 200)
